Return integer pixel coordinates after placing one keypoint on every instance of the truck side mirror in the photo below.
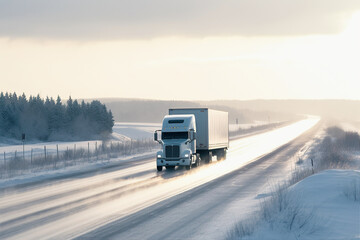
(192, 135)
(155, 136)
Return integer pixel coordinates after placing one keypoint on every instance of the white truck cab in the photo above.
(189, 135)
(178, 138)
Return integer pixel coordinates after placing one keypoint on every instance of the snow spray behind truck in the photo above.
(191, 135)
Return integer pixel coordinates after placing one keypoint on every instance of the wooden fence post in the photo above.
(131, 146)
(312, 165)
(45, 152)
(96, 151)
(57, 155)
(57, 152)
(23, 150)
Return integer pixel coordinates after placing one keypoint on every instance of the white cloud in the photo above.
(116, 19)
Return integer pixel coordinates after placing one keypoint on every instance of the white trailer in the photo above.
(197, 133)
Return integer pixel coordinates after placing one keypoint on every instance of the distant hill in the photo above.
(348, 110)
(125, 110)
(141, 110)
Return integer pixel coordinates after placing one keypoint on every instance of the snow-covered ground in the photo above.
(134, 130)
(325, 206)
(321, 206)
(121, 132)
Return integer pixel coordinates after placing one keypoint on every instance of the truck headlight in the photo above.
(186, 155)
(158, 156)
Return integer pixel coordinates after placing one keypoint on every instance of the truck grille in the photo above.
(172, 151)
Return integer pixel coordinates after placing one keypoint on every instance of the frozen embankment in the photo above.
(323, 206)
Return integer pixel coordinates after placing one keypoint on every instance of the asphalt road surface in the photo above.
(134, 201)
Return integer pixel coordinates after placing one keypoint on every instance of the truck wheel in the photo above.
(208, 158)
(224, 154)
(188, 167)
(197, 162)
(221, 154)
(159, 168)
(204, 157)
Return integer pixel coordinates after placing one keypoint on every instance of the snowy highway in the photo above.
(134, 201)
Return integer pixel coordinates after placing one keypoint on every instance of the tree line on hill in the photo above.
(49, 119)
(153, 111)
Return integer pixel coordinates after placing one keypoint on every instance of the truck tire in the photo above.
(159, 168)
(198, 159)
(208, 158)
(197, 162)
(188, 167)
(221, 154)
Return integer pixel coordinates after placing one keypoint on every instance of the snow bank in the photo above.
(135, 130)
(327, 193)
(328, 203)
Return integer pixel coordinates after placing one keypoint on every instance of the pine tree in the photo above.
(49, 119)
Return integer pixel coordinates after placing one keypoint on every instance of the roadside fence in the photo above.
(37, 159)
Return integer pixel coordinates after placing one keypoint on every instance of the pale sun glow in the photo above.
(317, 66)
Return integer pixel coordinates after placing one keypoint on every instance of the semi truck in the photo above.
(192, 135)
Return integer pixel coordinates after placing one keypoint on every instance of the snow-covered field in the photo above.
(128, 140)
(134, 130)
(324, 206)
(121, 132)
(306, 206)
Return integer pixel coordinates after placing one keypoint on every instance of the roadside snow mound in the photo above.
(123, 130)
(329, 204)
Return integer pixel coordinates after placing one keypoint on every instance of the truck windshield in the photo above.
(174, 135)
(176, 121)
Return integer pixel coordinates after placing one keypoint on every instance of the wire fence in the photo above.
(16, 163)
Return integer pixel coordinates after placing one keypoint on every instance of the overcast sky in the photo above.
(188, 49)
